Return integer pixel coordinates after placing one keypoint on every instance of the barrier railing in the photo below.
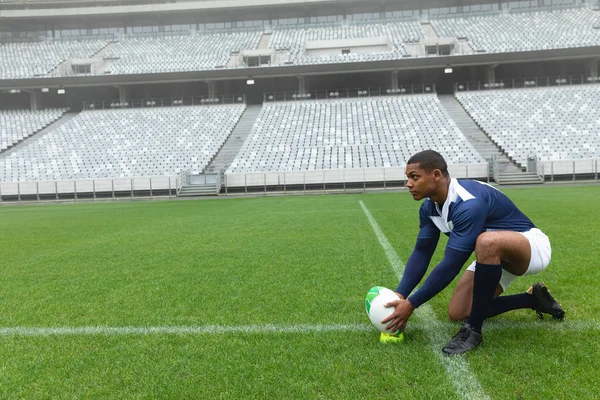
(165, 102)
(526, 83)
(264, 182)
(561, 170)
(335, 179)
(348, 93)
(102, 188)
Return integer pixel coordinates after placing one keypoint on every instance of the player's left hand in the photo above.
(399, 317)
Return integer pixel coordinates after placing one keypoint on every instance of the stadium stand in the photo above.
(28, 60)
(552, 123)
(124, 143)
(17, 125)
(524, 31)
(294, 41)
(350, 133)
(195, 52)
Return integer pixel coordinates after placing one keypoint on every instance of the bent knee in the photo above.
(457, 314)
(486, 240)
(487, 248)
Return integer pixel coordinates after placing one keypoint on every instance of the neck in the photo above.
(441, 193)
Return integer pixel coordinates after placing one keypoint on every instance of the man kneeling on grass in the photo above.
(476, 217)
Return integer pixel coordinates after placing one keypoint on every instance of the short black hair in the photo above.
(429, 160)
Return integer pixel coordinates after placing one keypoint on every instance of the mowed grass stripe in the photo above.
(465, 383)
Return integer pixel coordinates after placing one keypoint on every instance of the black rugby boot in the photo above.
(465, 340)
(545, 303)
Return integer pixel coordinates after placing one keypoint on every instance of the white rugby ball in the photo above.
(374, 304)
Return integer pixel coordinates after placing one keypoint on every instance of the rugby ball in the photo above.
(374, 304)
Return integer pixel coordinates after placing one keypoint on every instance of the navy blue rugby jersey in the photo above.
(471, 207)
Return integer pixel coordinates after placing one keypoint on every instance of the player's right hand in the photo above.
(399, 318)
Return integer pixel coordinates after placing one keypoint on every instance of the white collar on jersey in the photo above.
(455, 190)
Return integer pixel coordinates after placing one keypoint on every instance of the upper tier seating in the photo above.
(124, 143)
(294, 41)
(503, 32)
(178, 54)
(524, 31)
(28, 60)
(553, 123)
(350, 133)
(16, 125)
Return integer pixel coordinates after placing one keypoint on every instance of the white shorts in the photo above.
(541, 253)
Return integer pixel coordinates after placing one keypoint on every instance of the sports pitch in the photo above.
(264, 298)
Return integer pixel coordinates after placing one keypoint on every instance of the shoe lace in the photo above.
(462, 334)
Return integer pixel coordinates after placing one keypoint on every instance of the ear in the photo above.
(437, 175)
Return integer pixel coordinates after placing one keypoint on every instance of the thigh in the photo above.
(511, 249)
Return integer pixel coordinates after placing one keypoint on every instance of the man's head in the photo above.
(427, 174)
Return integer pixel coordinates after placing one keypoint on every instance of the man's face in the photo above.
(419, 182)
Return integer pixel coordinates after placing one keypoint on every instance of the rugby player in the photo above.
(476, 217)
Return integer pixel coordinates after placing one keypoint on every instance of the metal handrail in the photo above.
(182, 179)
(539, 168)
(495, 169)
(219, 180)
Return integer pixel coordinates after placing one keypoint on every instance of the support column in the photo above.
(123, 93)
(35, 99)
(212, 89)
(394, 75)
(591, 68)
(301, 84)
(490, 73)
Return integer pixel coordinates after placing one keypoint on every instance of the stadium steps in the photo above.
(66, 117)
(197, 190)
(101, 54)
(234, 143)
(428, 30)
(519, 178)
(64, 68)
(480, 141)
(265, 39)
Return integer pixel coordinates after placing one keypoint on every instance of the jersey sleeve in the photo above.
(440, 277)
(416, 266)
(427, 229)
(469, 219)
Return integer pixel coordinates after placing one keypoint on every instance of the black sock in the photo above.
(503, 304)
(485, 283)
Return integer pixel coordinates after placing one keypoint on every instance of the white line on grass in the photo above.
(465, 383)
(570, 326)
(181, 330)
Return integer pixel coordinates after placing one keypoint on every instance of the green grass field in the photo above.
(264, 298)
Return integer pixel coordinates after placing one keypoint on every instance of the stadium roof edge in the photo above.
(209, 5)
(298, 70)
